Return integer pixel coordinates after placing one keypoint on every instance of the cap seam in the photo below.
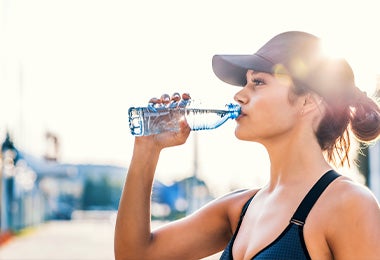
(261, 56)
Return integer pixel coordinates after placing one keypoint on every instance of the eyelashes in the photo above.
(258, 81)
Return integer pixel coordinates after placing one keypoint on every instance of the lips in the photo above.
(242, 114)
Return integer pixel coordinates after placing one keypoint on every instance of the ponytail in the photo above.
(356, 112)
(365, 117)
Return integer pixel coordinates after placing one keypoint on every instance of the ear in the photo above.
(312, 103)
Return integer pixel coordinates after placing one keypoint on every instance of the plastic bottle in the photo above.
(152, 120)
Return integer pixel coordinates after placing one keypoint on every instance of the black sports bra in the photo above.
(290, 244)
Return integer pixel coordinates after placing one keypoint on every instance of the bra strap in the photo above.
(312, 196)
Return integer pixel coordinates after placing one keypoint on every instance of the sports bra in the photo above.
(290, 244)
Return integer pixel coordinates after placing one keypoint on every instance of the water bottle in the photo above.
(151, 120)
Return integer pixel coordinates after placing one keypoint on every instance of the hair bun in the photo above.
(365, 116)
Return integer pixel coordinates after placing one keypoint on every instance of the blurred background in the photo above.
(69, 71)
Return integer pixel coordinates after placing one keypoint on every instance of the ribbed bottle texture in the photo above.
(148, 120)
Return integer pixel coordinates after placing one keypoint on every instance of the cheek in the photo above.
(265, 117)
(255, 120)
(263, 111)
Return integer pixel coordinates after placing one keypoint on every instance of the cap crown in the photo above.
(295, 53)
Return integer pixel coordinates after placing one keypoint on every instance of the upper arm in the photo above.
(354, 232)
(203, 233)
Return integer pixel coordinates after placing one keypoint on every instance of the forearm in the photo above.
(132, 233)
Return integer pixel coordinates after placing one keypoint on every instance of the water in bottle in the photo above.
(150, 120)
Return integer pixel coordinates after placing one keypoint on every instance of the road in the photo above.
(86, 237)
(63, 240)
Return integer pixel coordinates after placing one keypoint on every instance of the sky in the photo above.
(74, 67)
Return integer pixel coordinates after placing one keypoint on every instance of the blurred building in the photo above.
(34, 190)
(38, 189)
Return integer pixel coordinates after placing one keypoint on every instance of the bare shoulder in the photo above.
(221, 213)
(227, 208)
(238, 195)
(347, 194)
(233, 203)
(346, 197)
(353, 225)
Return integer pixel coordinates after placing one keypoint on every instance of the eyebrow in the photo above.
(256, 73)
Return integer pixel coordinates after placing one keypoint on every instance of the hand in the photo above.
(172, 102)
(167, 139)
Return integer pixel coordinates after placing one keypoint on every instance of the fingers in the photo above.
(185, 96)
(154, 103)
(176, 97)
(185, 100)
(166, 101)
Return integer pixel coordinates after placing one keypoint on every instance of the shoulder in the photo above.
(236, 199)
(227, 208)
(347, 197)
(233, 204)
(238, 195)
(346, 194)
(218, 218)
(353, 217)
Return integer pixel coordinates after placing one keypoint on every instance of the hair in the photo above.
(349, 113)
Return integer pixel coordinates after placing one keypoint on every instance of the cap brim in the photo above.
(232, 69)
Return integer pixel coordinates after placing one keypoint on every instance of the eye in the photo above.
(258, 81)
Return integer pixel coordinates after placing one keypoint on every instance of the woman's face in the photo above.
(267, 111)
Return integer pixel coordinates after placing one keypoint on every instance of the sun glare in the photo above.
(334, 48)
(362, 61)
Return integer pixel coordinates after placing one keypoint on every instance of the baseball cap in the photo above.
(297, 54)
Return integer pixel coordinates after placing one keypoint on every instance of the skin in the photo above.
(343, 224)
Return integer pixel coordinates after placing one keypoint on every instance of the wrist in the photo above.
(146, 146)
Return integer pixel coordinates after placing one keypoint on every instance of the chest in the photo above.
(267, 225)
(261, 225)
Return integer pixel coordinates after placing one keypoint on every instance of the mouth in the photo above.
(242, 114)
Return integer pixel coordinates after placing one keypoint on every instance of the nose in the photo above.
(240, 97)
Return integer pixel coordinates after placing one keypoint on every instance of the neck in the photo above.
(297, 160)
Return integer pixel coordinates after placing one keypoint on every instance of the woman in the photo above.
(299, 104)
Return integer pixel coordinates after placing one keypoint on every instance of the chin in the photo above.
(245, 136)
(240, 135)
